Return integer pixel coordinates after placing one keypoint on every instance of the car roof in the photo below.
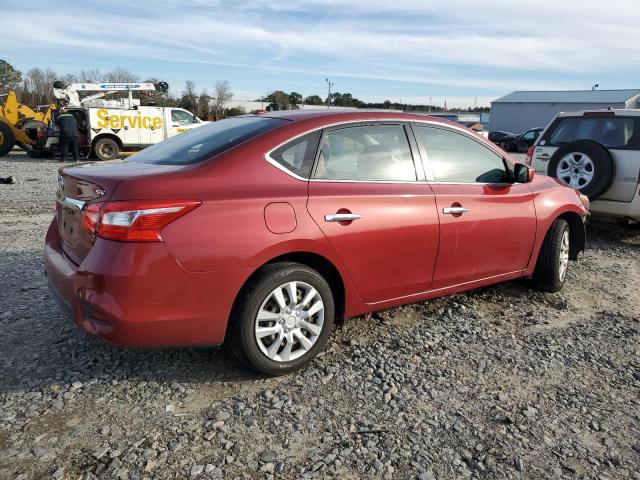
(327, 116)
(627, 112)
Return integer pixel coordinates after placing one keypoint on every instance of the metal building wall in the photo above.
(518, 117)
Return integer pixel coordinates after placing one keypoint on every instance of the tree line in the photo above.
(280, 100)
(35, 88)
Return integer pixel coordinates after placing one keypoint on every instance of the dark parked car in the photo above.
(497, 137)
(520, 143)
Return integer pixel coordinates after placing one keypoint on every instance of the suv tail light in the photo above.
(134, 220)
(529, 155)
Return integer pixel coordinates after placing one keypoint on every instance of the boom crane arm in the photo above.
(71, 93)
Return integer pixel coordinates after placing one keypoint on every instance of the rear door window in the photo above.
(612, 132)
(366, 153)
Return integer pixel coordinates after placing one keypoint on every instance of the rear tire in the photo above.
(553, 260)
(106, 149)
(260, 308)
(7, 139)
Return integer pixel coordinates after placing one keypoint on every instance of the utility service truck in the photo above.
(109, 127)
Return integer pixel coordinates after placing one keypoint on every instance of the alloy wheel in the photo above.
(575, 169)
(289, 321)
(564, 255)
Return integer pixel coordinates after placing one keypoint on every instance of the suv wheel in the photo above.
(282, 318)
(584, 165)
(553, 259)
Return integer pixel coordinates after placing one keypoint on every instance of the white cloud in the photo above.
(496, 45)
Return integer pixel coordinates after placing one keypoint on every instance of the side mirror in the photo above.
(523, 173)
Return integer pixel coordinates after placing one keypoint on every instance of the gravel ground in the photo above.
(500, 382)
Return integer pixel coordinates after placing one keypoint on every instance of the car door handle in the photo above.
(341, 217)
(455, 210)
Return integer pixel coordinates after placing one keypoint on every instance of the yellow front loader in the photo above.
(14, 116)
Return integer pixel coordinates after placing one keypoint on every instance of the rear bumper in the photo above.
(606, 208)
(138, 295)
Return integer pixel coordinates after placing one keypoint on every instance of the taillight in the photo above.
(529, 155)
(90, 216)
(134, 220)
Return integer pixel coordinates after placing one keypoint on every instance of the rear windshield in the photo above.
(206, 141)
(612, 132)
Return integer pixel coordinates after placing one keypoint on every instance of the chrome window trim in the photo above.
(69, 202)
(275, 163)
(269, 159)
(404, 182)
(282, 167)
(473, 183)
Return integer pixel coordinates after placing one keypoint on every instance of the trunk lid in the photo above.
(86, 183)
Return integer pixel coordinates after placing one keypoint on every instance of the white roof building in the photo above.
(522, 110)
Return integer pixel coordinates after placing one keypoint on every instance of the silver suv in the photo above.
(598, 153)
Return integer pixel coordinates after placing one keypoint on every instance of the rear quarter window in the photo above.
(611, 132)
(297, 155)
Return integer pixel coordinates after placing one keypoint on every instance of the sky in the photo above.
(460, 51)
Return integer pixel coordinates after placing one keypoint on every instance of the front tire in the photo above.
(282, 318)
(553, 260)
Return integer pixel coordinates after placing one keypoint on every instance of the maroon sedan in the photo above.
(258, 231)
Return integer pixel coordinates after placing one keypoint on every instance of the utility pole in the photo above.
(330, 84)
(429, 104)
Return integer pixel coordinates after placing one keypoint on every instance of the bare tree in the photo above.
(189, 98)
(37, 86)
(89, 76)
(203, 104)
(121, 75)
(70, 78)
(222, 95)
